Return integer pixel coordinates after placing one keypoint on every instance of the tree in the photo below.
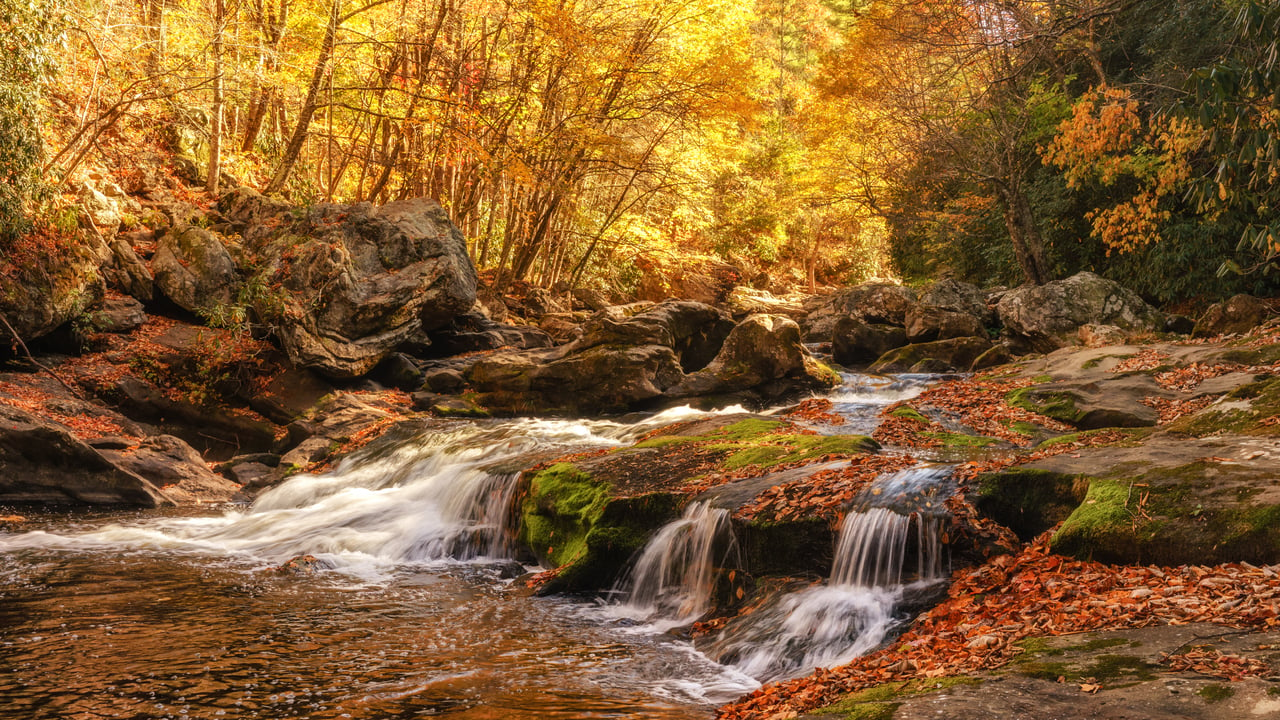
(26, 67)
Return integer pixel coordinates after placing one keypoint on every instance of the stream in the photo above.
(413, 610)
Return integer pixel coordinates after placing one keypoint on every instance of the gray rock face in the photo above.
(48, 292)
(173, 465)
(926, 323)
(193, 268)
(1050, 316)
(878, 303)
(854, 342)
(1236, 315)
(357, 281)
(958, 296)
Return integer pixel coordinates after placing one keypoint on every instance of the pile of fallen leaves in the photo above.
(976, 404)
(1169, 410)
(1215, 663)
(1145, 359)
(824, 493)
(1186, 379)
(906, 430)
(1033, 593)
(815, 410)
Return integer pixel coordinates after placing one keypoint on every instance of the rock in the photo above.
(399, 371)
(1094, 336)
(197, 424)
(702, 280)
(357, 281)
(43, 463)
(1049, 316)
(590, 298)
(1235, 316)
(877, 303)
(1090, 404)
(104, 212)
(289, 394)
(443, 380)
(925, 323)
(304, 454)
(455, 406)
(193, 269)
(855, 342)
(472, 332)
(126, 270)
(759, 350)
(695, 331)
(955, 354)
(1172, 500)
(998, 355)
(43, 292)
(1180, 324)
(119, 314)
(562, 327)
(958, 296)
(539, 301)
(171, 464)
(743, 301)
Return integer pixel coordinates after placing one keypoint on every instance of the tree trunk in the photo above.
(300, 130)
(1024, 233)
(215, 121)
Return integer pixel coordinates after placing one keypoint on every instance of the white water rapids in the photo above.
(408, 519)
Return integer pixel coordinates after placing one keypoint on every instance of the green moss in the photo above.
(1264, 402)
(1039, 647)
(1023, 427)
(1103, 518)
(1105, 669)
(865, 703)
(1040, 379)
(561, 508)
(764, 456)
(1274, 690)
(1027, 501)
(1215, 692)
(910, 413)
(1057, 405)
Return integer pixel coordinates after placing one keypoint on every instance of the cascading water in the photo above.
(855, 611)
(673, 578)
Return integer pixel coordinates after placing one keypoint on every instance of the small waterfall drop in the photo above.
(672, 580)
(856, 610)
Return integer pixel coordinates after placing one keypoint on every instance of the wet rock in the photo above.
(855, 342)
(1237, 315)
(444, 380)
(174, 466)
(926, 324)
(955, 354)
(289, 394)
(193, 268)
(1049, 316)
(199, 425)
(302, 565)
(44, 463)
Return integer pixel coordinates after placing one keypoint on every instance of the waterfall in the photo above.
(856, 610)
(673, 578)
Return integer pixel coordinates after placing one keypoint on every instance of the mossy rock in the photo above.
(1028, 501)
(1204, 512)
(882, 701)
(1247, 410)
(570, 520)
(1052, 404)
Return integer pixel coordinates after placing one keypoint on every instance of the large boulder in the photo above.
(625, 359)
(1049, 316)
(46, 288)
(356, 281)
(856, 342)
(879, 303)
(926, 323)
(1236, 315)
(44, 463)
(194, 269)
(761, 349)
(472, 332)
(958, 296)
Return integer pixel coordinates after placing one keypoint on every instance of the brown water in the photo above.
(149, 635)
